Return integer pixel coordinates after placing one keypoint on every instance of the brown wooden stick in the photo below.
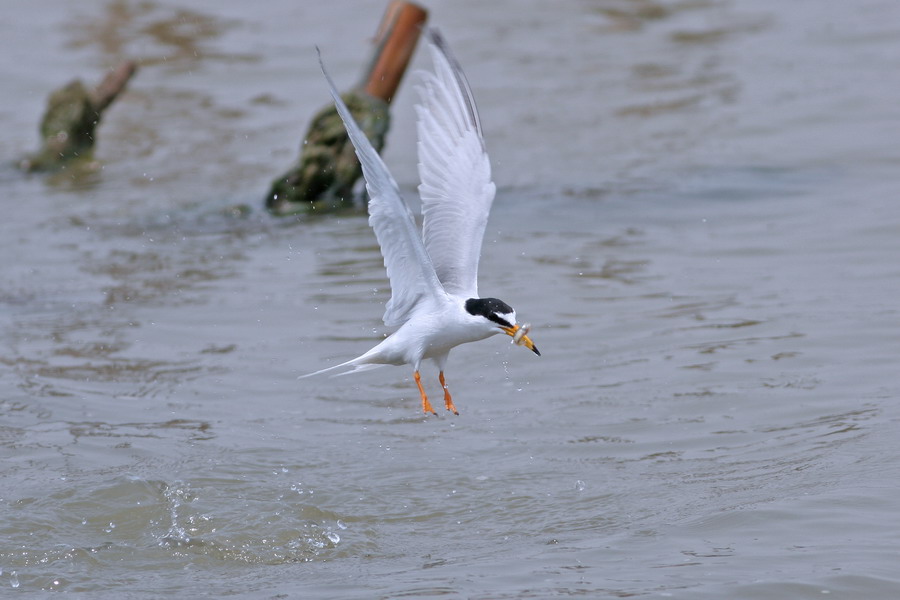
(114, 82)
(395, 42)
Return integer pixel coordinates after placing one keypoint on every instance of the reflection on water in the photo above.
(696, 211)
(160, 35)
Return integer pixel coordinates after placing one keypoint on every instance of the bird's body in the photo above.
(433, 275)
(430, 333)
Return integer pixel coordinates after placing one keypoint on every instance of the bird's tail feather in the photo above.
(359, 368)
(357, 365)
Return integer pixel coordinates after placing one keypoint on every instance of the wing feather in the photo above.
(409, 267)
(455, 172)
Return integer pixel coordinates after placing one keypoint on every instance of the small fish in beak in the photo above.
(519, 334)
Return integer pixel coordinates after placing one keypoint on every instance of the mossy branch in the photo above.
(68, 128)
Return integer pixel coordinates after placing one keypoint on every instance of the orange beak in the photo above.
(520, 339)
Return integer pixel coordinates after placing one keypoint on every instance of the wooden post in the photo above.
(395, 43)
(325, 173)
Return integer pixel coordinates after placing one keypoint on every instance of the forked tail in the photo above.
(356, 363)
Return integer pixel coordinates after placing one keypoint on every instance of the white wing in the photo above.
(408, 265)
(456, 187)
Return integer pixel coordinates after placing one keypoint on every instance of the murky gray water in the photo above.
(698, 211)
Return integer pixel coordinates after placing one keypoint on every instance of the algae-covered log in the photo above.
(70, 121)
(327, 169)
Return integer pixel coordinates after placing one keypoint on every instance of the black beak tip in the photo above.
(535, 350)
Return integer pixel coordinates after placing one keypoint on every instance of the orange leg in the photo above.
(447, 401)
(426, 405)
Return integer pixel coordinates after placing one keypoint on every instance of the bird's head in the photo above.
(500, 317)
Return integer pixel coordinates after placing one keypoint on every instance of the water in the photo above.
(696, 210)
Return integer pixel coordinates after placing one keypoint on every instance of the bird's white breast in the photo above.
(433, 331)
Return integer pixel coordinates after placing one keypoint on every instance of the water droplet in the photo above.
(579, 485)
(341, 524)
(14, 579)
(333, 537)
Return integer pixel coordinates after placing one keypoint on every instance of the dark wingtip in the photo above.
(322, 62)
(434, 34)
(437, 39)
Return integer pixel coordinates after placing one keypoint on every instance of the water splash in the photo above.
(177, 535)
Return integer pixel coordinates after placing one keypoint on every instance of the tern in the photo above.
(433, 274)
